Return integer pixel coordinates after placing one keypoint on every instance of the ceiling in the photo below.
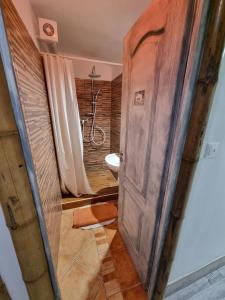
(91, 28)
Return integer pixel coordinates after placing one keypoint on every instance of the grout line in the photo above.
(131, 287)
(113, 280)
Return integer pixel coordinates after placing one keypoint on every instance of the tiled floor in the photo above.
(209, 287)
(101, 180)
(94, 264)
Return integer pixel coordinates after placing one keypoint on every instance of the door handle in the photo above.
(120, 156)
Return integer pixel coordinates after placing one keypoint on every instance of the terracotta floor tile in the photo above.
(118, 296)
(114, 237)
(101, 295)
(109, 276)
(96, 289)
(89, 269)
(136, 293)
(112, 287)
(125, 271)
(107, 267)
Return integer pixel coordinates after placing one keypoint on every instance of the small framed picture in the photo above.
(139, 98)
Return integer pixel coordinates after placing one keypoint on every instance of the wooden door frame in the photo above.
(204, 79)
(19, 119)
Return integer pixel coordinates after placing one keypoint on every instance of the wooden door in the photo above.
(155, 59)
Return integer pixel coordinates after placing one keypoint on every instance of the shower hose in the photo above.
(94, 128)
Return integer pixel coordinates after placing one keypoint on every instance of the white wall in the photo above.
(9, 266)
(202, 238)
(26, 13)
(83, 67)
(116, 71)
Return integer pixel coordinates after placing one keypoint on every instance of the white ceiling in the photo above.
(91, 28)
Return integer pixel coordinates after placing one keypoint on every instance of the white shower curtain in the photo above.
(66, 124)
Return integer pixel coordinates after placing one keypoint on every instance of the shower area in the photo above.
(96, 135)
(99, 101)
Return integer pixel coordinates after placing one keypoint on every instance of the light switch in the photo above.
(211, 150)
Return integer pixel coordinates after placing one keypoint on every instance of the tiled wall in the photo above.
(30, 80)
(116, 114)
(94, 157)
(107, 117)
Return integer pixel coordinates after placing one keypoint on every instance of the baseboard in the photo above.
(191, 278)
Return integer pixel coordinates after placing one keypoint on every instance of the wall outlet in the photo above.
(211, 150)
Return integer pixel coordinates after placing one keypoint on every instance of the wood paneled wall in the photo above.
(29, 73)
(94, 157)
(116, 114)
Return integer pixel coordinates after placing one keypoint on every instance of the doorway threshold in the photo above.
(68, 203)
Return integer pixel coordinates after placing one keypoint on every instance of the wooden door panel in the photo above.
(132, 221)
(151, 23)
(152, 70)
(135, 230)
(141, 111)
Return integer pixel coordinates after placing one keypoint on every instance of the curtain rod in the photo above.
(84, 59)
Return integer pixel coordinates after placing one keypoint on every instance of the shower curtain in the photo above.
(66, 124)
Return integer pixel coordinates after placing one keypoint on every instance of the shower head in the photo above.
(93, 74)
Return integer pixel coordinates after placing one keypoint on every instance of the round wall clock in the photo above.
(48, 29)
